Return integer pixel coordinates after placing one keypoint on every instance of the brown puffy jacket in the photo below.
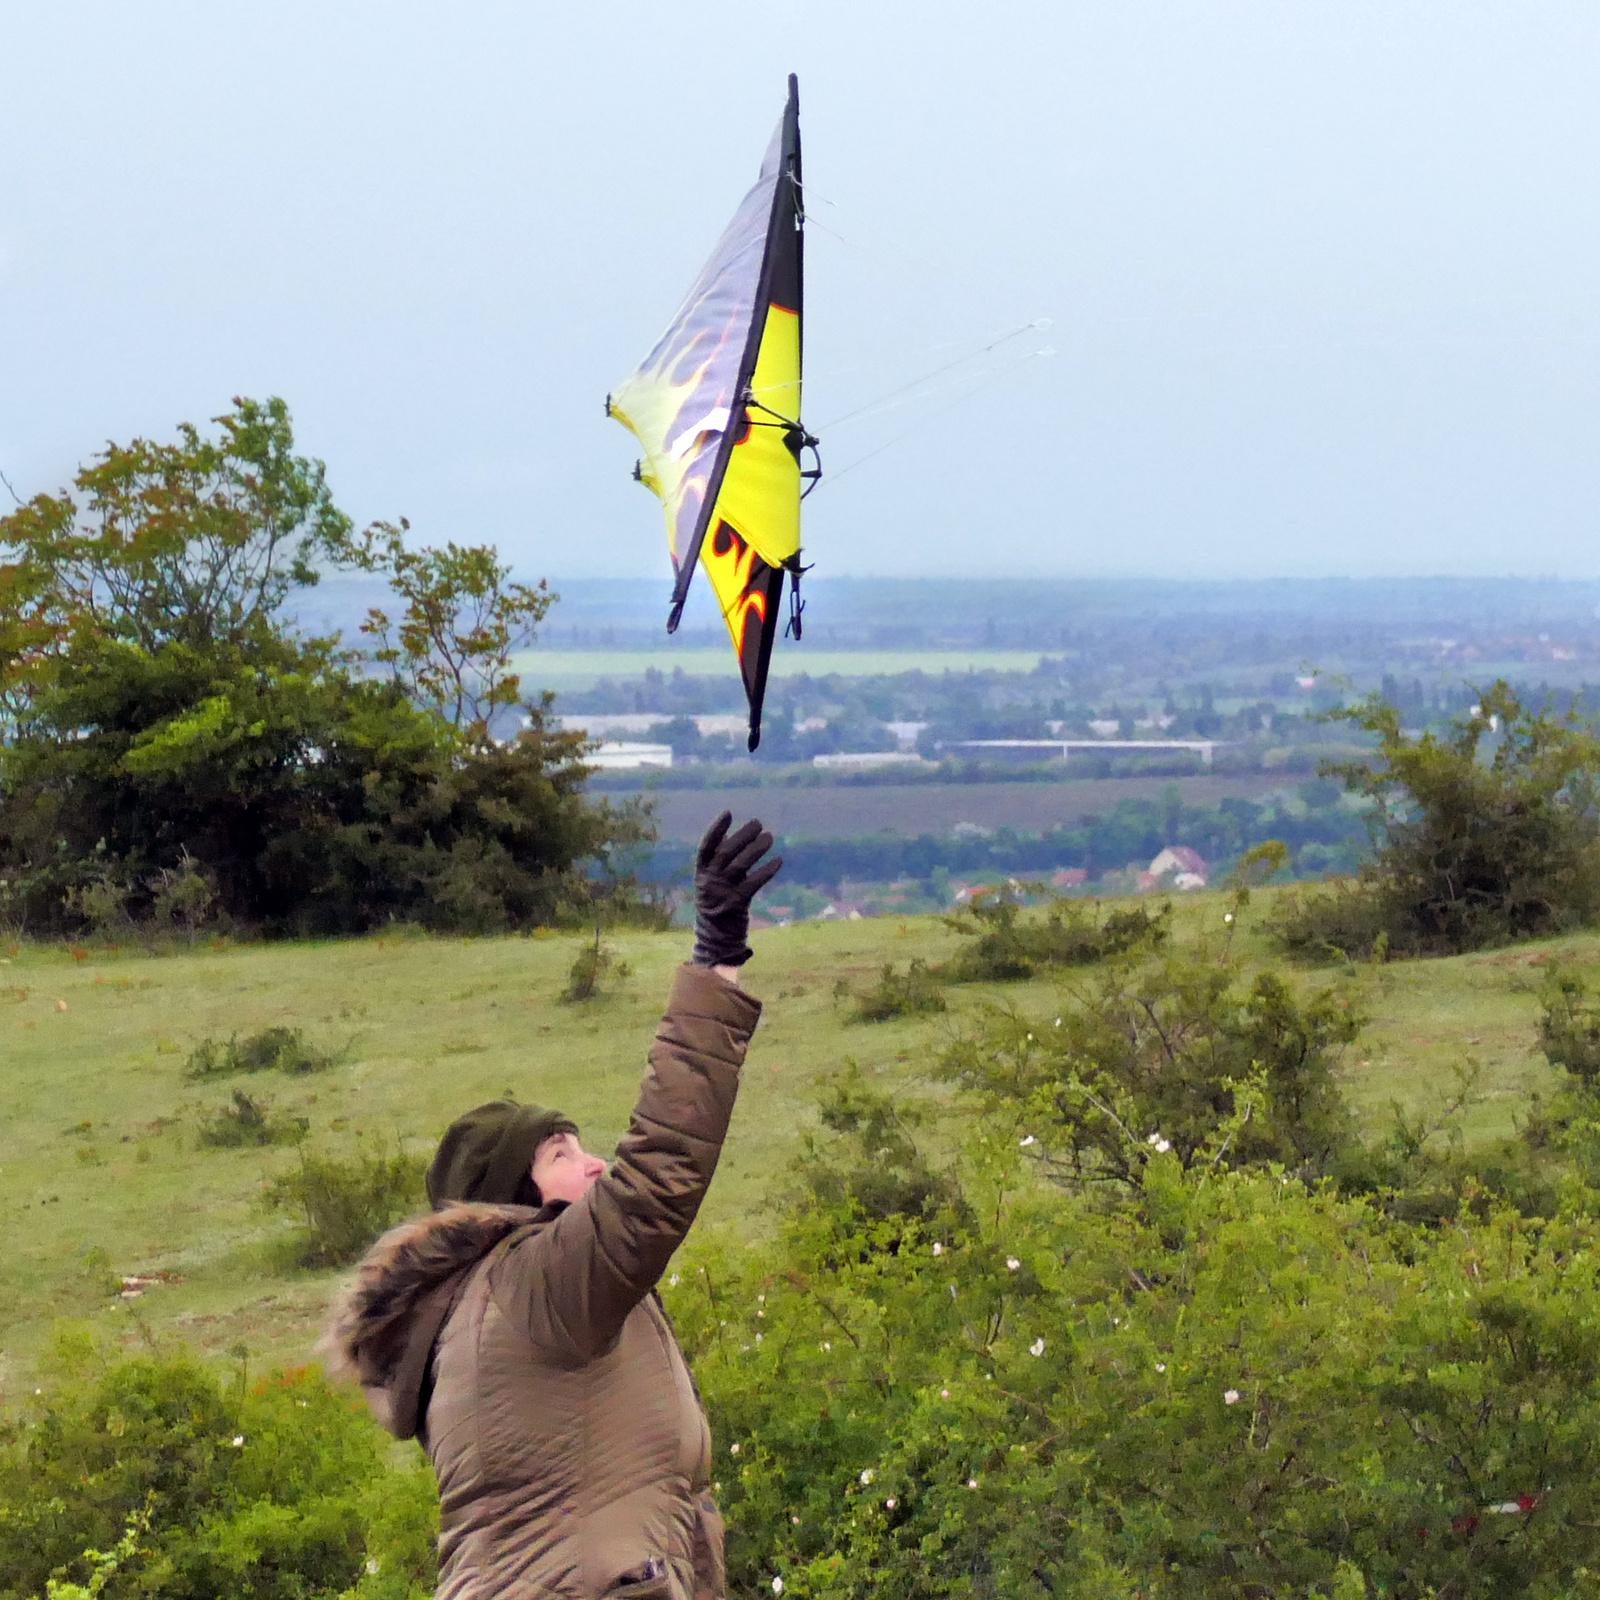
(529, 1352)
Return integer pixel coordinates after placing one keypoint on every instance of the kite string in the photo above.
(944, 388)
(858, 366)
(939, 371)
(997, 372)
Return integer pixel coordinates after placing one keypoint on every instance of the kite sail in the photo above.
(716, 406)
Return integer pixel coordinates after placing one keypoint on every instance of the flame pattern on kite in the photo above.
(716, 407)
(738, 572)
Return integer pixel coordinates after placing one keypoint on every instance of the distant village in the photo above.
(1177, 868)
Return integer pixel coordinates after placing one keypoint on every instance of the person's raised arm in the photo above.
(574, 1284)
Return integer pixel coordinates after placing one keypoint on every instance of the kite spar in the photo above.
(716, 406)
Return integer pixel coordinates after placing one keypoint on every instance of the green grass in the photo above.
(103, 1173)
(581, 669)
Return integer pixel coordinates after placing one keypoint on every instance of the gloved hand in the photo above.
(723, 888)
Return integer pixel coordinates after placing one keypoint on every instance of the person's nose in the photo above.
(595, 1168)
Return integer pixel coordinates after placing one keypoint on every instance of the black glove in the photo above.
(724, 885)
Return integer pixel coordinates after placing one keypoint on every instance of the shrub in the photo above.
(595, 967)
(1485, 835)
(347, 1202)
(1222, 1384)
(271, 1050)
(182, 896)
(276, 1490)
(874, 1166)
(1569, 1027)
(1154, 1061)
(1008, 946)
(913, 993)
(250, 1121)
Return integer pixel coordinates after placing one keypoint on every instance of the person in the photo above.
(516, 1332)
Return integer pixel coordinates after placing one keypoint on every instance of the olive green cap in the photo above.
(486, 1154)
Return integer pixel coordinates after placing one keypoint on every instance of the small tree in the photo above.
(198, 543)
(170, 747)
(451, 650)
(1485, 834)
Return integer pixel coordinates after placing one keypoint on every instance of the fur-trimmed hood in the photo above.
(382, 1327)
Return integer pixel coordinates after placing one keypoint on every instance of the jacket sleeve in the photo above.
(572, 1285)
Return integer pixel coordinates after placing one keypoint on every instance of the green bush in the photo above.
(1569, 1027)
(200, 1484)
(594, 969)
(874, 1167)
(1155, 1060)
(1008, 946)
(175, 752)
(1224, 1382)
(912, 993)
(347, 1202)
(249, 1121)
(272, 1050)
(1485, 835)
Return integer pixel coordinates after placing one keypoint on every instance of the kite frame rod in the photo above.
(788, 180)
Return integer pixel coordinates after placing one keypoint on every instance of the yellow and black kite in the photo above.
(716, 406)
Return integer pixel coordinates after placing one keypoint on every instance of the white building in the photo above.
(854, 760)
(616, 756)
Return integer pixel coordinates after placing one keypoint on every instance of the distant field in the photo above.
(580, 669)
(838, 812)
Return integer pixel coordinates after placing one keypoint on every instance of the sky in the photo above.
(1204, 290)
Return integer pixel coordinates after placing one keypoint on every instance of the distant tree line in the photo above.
(1322, 832)
(173, 750)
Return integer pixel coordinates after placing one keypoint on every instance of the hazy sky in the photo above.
(1322, 278)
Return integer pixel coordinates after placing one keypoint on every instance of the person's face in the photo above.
(563, 1169)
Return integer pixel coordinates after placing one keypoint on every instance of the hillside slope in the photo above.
(104, 1176)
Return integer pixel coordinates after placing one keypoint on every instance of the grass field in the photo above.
(103, 1174)
(580, 669)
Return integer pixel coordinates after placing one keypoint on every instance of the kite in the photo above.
(716, 406)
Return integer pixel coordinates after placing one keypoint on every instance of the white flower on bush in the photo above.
(1158, 1144)
(372, 1566)
(1012, 1263)
(944, 1394)
(867, 1475)
(1228, 917)
(938, 1249)
(972, 1483)
(891, 1503)
(1161, 1366)
(1036, 1348)
(1231, 1397)
(777, 1585)
(674, 1281)
(733, 1449)
(238, 1441)
(1029, 1140)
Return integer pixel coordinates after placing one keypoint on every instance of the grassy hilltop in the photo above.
(105, 1176)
